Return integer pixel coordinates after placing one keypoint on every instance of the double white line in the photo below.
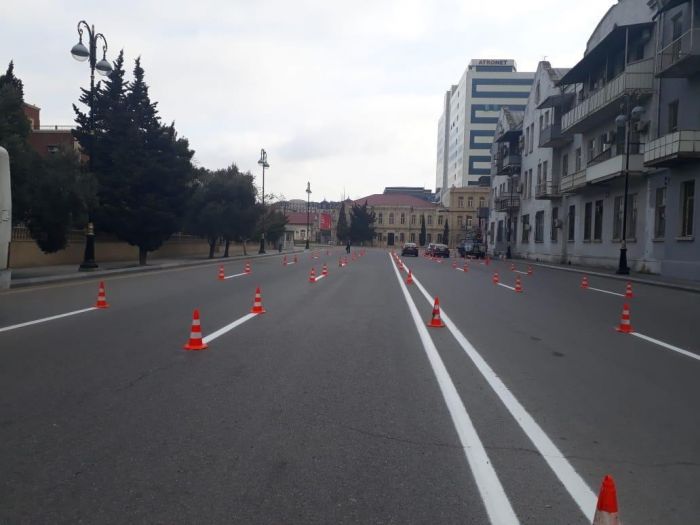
(494, 497)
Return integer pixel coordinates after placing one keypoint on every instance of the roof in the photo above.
(393, 199)
(298, 217)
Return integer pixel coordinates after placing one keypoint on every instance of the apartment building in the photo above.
(485, 87)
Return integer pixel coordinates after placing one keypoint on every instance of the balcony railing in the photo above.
(680, 58)
(547, 190)
(572, 182)
(507, 202)
(638, 78)
(508, 164)
(551, 136)
(673, 148)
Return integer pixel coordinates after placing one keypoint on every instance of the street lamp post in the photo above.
(626, 120)
(264, 164)
(103, 67)
(308, 201)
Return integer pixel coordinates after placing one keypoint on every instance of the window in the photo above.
(587, 221)
(539, 226)
(430, 220)
(545, 168)
(660, 213)
(439, 220)
(687, 205)
(481, 202)
(403, 218)
(532, 136)
(598, 226)
(491, 232)
(591, 150)
(555, 223)
(673, 116)
(429, 238)
(631, 217)
(537, 93)
(499, 234)
(380, 218)
(546, 118)
(572, 223)
(541, 122)
(529, 185)
(413, 237)
(526, 229)
(617, 222)
(413, 219)
(439, 237)
(401, 237)
(469, 220)
(527, 140)
(470, 202)
(539, 176)
(564, 165)
(460, 221)
(460, 202)
(391, 218)
(577, 160)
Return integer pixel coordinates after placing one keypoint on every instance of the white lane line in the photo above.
(572, 481)
(235, 275)
(319, 277)
(606, 291)
(521, 273)
(666, 345)
(492, 493)
(228, 327)
(506, 286)
(45, 319)
(459, 269)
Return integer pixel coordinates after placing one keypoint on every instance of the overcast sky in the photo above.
(345, 95)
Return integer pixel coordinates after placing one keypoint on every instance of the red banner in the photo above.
(324, 221)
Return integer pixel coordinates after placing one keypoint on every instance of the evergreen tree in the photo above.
(342, 230)
(361, 223)
(446, 234)
(422, 234)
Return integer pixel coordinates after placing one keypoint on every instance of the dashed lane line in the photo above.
(506, 286)
(605, 291)
(235, 275)
(228, 327)
(46, 319)
(565, 472)
(492, 493)
(666, 345)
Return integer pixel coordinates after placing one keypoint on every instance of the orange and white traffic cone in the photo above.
(409, 279)
(529, 270)
(584, 282)
(101, 297)
(606, 510)
(401, 265)
(518, 285)
(312, 275)
(512, 267)
(195, 342)
(628, 291)
(496, 279)
(257, 303)
(340, 262)
(247, 268)
(222, 276)
(284, 261)
(625, 323)
(435, 320)
(325, 269)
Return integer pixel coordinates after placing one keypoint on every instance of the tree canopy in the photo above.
(422, 234)
(342, 230)
(361, 223)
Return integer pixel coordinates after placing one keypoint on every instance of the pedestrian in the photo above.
(347, 246)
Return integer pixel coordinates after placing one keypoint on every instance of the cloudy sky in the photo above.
(345, 95)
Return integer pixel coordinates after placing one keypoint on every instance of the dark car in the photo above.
(438, 250)
(409, 248)
(473, 249)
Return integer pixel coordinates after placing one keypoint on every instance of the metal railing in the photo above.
(547, 188)
(685, 45)
(551, 132)
(573, 181)
(507, 202)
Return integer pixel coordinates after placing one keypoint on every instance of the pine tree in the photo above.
(446, 234)
(342, 231)
(422, 234)
(361, 223)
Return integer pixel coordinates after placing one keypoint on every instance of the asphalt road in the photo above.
(335, 406)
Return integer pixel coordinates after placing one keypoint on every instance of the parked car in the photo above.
(471, 249)
(438, 250)
(409, 248)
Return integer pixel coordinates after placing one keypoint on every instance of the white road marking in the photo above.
(666, 345)
(521, 273)
(492, 493)
(228, 327)
(460, 269)
(606, 291)
(319, 277)
(235, 275)
(45, 319)
(506, 286)
(565, 472)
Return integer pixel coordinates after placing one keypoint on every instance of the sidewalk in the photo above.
(22, 277)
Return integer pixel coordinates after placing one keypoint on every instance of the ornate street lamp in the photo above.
(264, 164)
(308, 201)
(103, 67)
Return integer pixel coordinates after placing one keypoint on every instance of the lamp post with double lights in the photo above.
(103, 67)
(264, 164)
(308, 222)
(631, 116)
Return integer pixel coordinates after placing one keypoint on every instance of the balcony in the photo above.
(607, 166)
(603, 105)
(573, 182)
(547, 190)
(507, 202)
(552, 137)
(508, 164)
(673, 148)
(680, 58)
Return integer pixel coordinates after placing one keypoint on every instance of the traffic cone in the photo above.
(584, 282)
(454, 264)
(101, 297)
(488, 260)
(465, 267)
(496, 279)
(247, 268)
(312, 276)
(284, 261)
(512, 267)
(325, 269)
(409, 279)
(625, 324)
(257, 303)
(518, 285)
(606, 509)
(340, 262)
(401, 265)
(529, 270)
(435, 321)
(222, 276)
(628, 291)
(195, 342)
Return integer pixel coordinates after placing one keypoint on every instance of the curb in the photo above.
(660, 284)
(33, 281)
